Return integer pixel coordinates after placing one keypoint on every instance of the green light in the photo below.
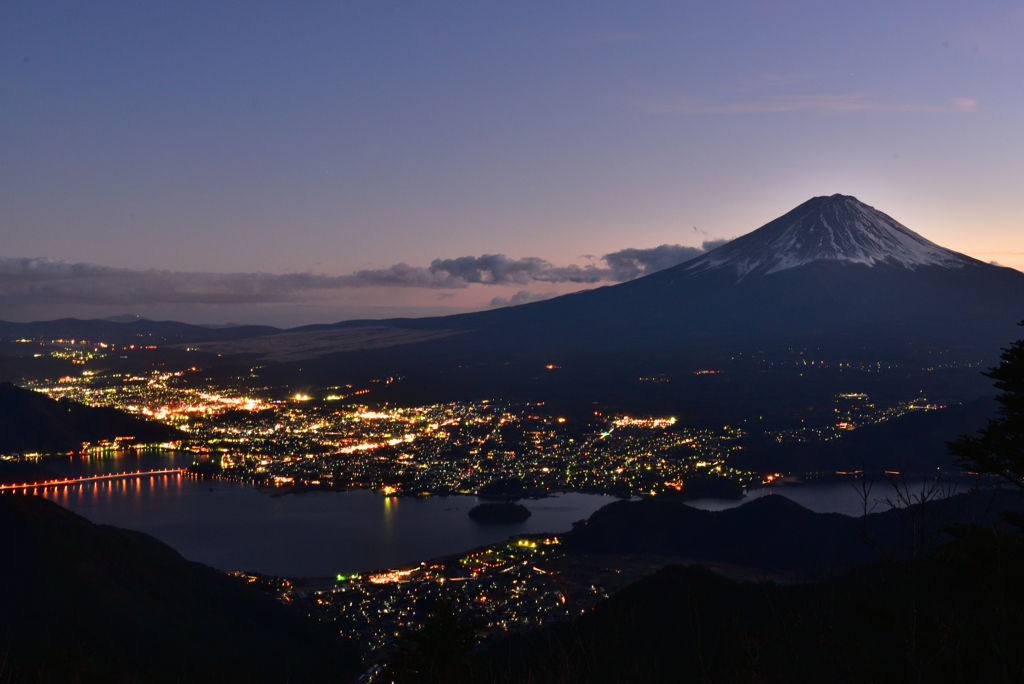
(341, 578)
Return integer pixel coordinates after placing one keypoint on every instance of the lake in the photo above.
(231, 526)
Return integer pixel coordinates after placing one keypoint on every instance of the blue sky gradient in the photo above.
(329, 138)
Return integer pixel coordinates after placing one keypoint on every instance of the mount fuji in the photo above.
(834, 278)
(837, 228)
(832, 266)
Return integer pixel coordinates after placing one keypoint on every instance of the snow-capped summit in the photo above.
(836, 228)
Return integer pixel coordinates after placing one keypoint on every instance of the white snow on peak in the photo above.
(836, 228)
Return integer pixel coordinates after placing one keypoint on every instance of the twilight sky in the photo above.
(289, 163)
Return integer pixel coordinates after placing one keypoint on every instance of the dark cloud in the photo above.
(400, 275)
(56, 281)
(627, 264)
(709, 245)
(498, 269)
(492, 269)
(523, 297)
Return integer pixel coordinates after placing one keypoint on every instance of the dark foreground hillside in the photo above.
(927, 593)
(89, 603)
(31, 422)
(774, 533)
(955, 615)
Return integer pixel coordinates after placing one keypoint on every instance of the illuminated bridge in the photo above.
(134, 475)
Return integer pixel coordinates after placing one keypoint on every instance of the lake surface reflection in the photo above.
(231, 526)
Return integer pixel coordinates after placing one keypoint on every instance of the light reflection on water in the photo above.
(233, 527)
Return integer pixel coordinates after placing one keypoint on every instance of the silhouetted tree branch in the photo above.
(998, 449)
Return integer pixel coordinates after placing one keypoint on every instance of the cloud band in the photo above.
(58, 281)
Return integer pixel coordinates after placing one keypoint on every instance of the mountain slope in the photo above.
(833, 278)
(31, 422)
(832, 265)
(950, 617)
(775, 533)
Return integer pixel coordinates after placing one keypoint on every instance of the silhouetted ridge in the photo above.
(31, 422)
(950, 617)
(90, 603)
(774, 532)
(128, 330)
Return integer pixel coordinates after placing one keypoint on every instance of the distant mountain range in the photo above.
(129, 329)
(832, 280)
